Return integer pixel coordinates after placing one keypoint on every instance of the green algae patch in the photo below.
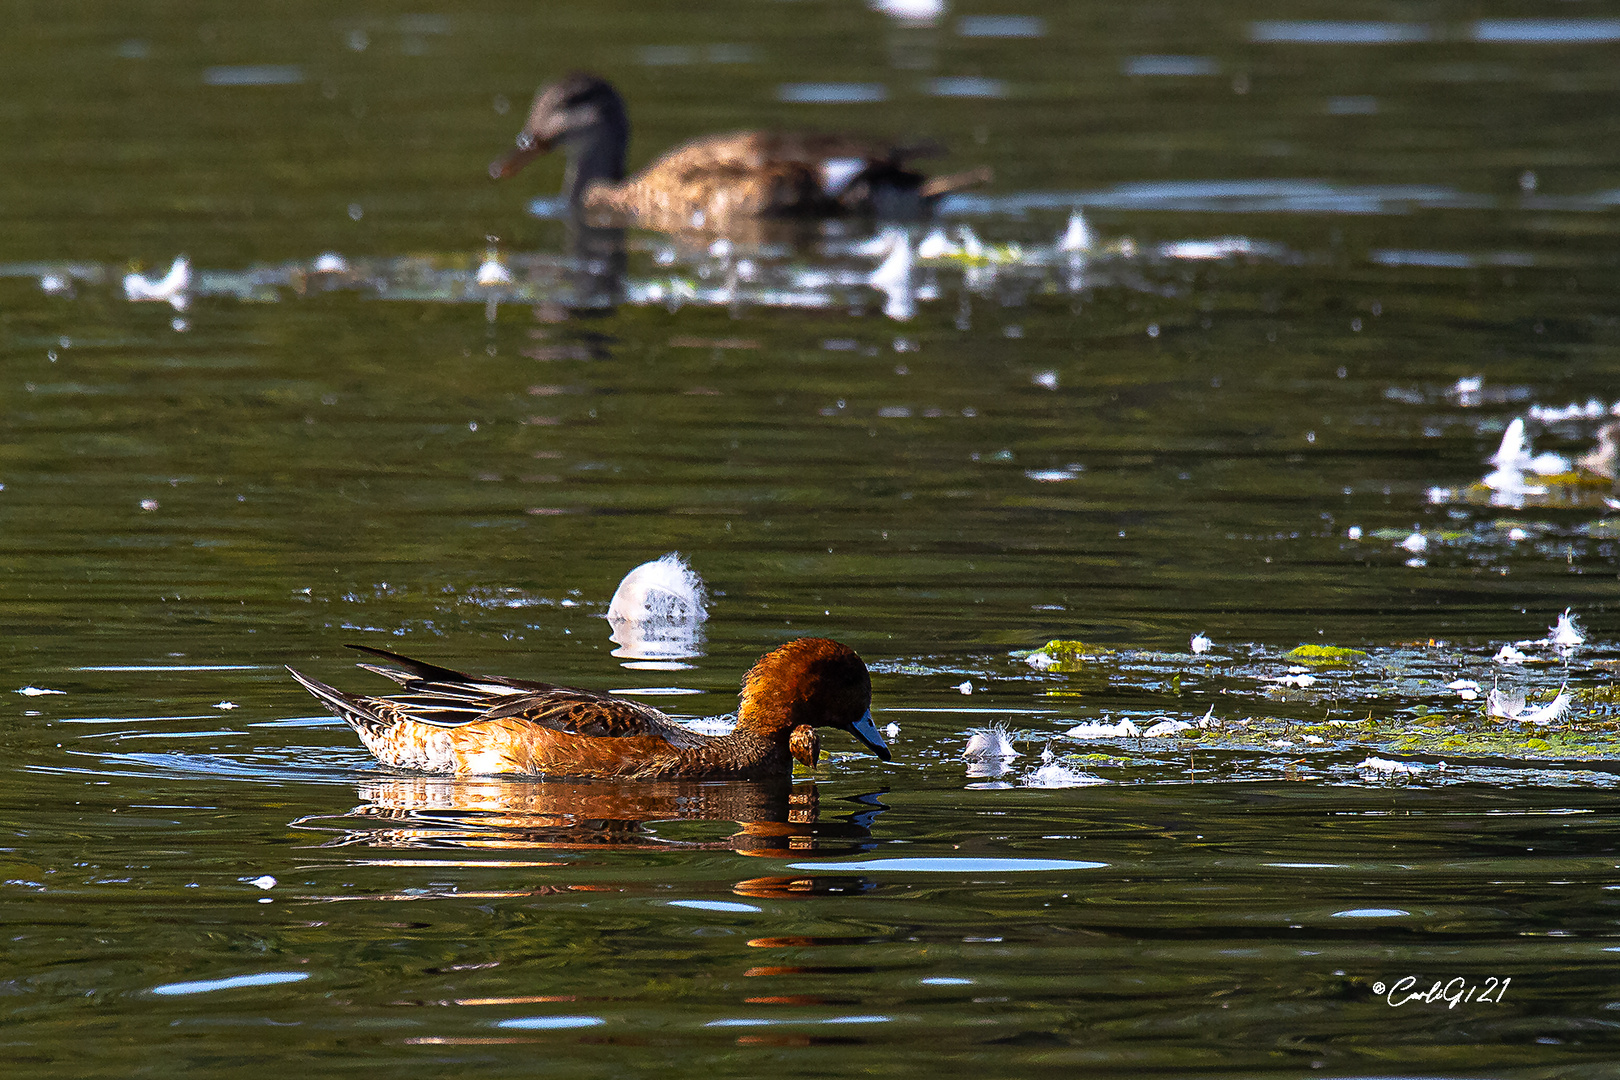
(1065, 649)
(1096, 760)
(1565, 490)
(1064, 655)
(1322, 655)
(1603, 529)
(1457, 737)
(1475, 739)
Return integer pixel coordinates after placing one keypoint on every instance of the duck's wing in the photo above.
(782, 153)
(756, 149)
(444, 697)
(815, 146)
(592, 715)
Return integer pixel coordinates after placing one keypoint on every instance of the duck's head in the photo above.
(585, 115)
(812, 682)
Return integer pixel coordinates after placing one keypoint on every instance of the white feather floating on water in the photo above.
(1467, 390)
(1200, 643)
(1548, 463)
(893, 279)
(1514, 462)
(1512, 452)
(37, 691)
(1165, 727)
(1510, 705)
(665, 590)
(1416, 543)
(1566, 632)
(170, 289)
(1553, 710)
(1467, 689)
(493, 272)
(936, 245)
(657, 612)
(989, 743)
(1510, 484)
(1504, 704)
(1094, 729)
(1391, 768)
(1555, 414)
(1077, 239)
(1507, 654)
(1054, 774)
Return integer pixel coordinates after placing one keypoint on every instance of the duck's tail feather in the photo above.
(935, 186)
(431, 678)
(349, 708)
(418, 669)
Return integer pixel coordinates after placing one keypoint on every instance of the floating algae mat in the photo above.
(1546, 704)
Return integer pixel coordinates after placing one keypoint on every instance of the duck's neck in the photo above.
(596, 154)
(745, 753)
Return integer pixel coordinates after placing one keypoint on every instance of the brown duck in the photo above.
(457, 724)
(718, 179)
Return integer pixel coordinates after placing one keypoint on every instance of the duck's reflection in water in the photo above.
(771, 819)
(597, 266)
(751, 818)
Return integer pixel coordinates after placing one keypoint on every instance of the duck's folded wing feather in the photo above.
(444, 697)
(582, 712)
(560, 708)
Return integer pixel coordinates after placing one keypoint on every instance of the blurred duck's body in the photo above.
(719, 179)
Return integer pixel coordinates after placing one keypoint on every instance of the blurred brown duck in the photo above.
(719, 178)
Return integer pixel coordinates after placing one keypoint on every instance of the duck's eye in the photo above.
(525, 141)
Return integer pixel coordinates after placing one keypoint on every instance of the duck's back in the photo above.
(755, 174)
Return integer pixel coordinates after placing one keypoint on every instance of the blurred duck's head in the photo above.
(585, 115)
